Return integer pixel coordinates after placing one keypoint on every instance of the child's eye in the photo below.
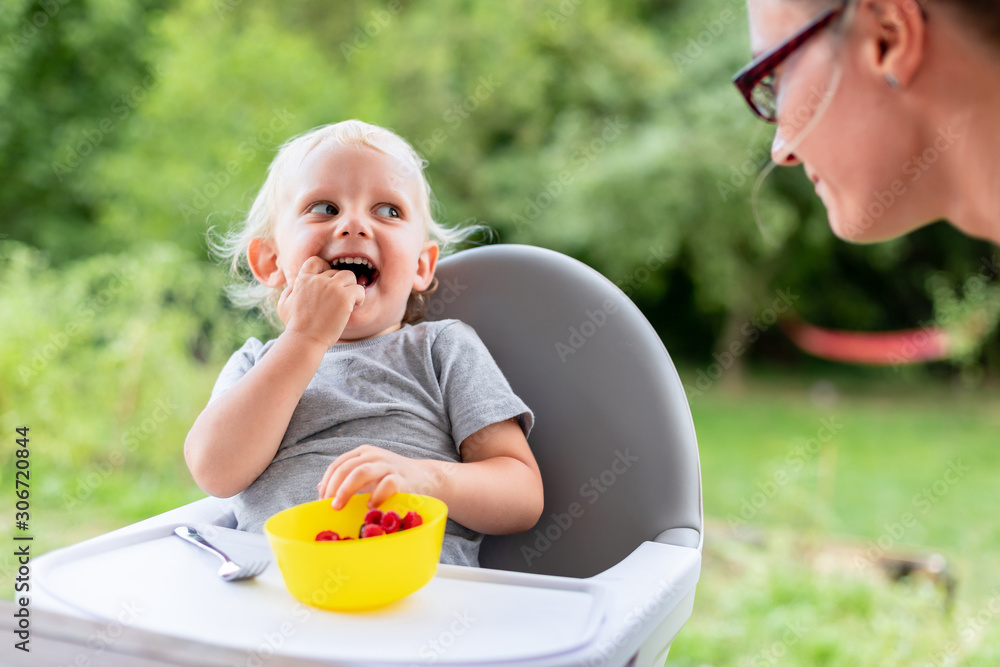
(387, 211)
(324, 209)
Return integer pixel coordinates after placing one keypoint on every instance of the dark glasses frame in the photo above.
(764, 65)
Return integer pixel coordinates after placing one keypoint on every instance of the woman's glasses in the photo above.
(756, 80)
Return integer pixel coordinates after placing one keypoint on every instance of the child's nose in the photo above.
(353, 224)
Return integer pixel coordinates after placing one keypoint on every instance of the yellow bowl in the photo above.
(360, 573)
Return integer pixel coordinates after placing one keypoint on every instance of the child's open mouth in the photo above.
(362, 268)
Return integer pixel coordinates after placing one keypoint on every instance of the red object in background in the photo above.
(888, 348)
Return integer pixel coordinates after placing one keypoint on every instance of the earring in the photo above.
(892, 81)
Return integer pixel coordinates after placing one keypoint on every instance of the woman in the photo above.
(892, 107)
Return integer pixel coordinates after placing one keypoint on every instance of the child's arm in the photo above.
(497, 489)
(237, 435)
(498, 486)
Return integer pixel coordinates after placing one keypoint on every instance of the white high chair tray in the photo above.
(155, 581)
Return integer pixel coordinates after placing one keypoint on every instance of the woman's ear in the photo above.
(262, 256)
(426, 264)
(896, 41)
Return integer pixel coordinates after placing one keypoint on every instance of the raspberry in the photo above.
(412, 520)
(374, 517)
(371, 530)
(327, 536)
(391, 522)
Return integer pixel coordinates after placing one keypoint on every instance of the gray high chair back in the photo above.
(616, 446)
(613, 433)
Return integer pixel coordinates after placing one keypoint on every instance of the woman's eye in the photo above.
(324, 209)
(387, 211)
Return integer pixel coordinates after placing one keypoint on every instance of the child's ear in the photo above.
(426, 263)
(263, 259)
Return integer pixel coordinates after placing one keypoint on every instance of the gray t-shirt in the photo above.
(418, 392)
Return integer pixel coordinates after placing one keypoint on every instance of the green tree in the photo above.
(71, 75)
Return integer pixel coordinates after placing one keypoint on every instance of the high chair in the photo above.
(606, 577)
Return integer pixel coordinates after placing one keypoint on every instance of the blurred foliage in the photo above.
(116, 358)
(71, 75)
(970, 313)
(608, 131)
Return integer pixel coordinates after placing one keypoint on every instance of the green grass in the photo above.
(793, 534)
(789, 582)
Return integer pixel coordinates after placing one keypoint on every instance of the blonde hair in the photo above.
(231, 247)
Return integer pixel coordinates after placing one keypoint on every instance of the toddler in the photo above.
(357, 394)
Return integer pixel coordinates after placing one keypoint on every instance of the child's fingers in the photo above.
(332, 479)
(314, 265)
(361, 474)
(359, 295)
(349, 281)
(285, 293)
(338, 465)
(386, 487)
(339, 483)
(361, 469)
(324, 482)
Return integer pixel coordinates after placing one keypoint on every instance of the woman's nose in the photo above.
(780, 153)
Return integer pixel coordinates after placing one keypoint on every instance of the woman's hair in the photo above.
(231, 247)
(979, 16)
(982, 16)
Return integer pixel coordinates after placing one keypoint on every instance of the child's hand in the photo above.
(368, 469)
(320, 301)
